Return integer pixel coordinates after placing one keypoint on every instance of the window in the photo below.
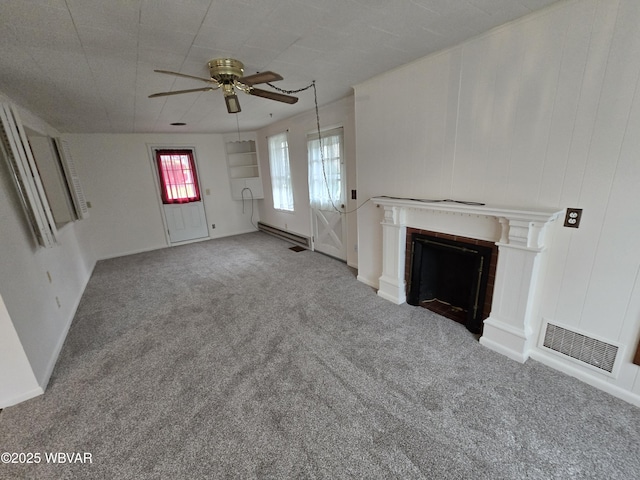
(52, 177)
(325, 171)
(59, 177)
(280, 172)
(178, 180)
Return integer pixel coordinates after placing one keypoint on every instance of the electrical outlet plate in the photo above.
(572, 218)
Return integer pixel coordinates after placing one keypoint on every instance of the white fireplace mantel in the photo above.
(519, 233)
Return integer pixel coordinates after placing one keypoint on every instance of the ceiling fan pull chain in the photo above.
(290, 92)
(322, 161)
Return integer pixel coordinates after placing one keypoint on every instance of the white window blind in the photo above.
(280, 172)
(15, 149)
(325, 171)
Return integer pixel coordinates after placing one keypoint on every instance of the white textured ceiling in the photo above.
(87, 65)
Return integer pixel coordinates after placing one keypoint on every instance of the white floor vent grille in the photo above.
(596, 353)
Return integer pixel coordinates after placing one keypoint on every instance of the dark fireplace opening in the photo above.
(451, 277)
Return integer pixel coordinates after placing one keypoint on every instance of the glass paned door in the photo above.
(327, 193)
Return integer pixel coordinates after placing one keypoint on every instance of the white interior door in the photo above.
(327, 193)
(185, 221)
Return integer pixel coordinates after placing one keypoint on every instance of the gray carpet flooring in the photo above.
(239, 358)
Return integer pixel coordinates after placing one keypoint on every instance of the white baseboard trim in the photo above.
(499, 348)
(391, 289)
(391, 298)
(132, 252)
(504, 328)
(22, 397)
(186, 242)
(368, 281)
(231, 234)
(600, 384)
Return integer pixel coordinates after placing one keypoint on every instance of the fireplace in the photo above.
(520, 235)
(452, 276)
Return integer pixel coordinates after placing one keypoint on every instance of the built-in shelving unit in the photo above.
(244, 169)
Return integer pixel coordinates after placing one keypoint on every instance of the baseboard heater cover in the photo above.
(579, 347)
(283, 234)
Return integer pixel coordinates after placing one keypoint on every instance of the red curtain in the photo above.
(178, 180)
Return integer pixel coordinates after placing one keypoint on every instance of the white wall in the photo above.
(17, 381)
(541, 112)
(340, 113)
(38, 311)
(120, 182)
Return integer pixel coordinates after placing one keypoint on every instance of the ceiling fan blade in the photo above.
(279, 97)
(185, 75)
(178, 92)
(262, 77)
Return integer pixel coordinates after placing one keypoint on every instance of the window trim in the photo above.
(14, 146)
(158, 153)
(329, 202)
(280, 179)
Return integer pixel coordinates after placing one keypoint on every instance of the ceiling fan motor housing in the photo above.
(225, 70)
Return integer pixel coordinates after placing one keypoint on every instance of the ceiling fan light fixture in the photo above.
(233, 106)
(227, 74)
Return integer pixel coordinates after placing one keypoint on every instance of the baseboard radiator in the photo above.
(579, 347)
(283, 234)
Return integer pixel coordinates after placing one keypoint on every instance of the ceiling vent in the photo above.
(588, 351)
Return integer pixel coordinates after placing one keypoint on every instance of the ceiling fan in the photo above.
(227, 75)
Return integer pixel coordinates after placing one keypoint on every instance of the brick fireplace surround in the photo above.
(520, 235)
(472, 241)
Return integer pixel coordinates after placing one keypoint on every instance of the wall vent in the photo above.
(582, 348)
(283, 234)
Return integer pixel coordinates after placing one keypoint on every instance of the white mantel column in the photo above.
(394, 238)
(509, 328)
